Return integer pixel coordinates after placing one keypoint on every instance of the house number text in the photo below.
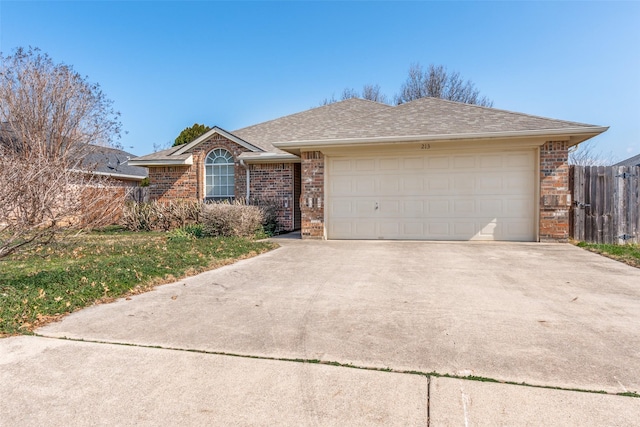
(425, 146)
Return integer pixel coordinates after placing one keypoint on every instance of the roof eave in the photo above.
(121, 176)
(269, 158)
(573, 135)
(162, 162)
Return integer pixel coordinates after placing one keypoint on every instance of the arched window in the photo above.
(219, 175)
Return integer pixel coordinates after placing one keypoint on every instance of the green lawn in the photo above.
(54, 280)
(629, 254)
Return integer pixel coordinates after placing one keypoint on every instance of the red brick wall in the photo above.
(187, 182)
(312, 195)
(555, 197)
(274, 182)
(172, 182)
(268, 181)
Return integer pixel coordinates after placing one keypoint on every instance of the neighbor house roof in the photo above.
(357, 121)
(112, 162)
(97, 159)
(631, 161)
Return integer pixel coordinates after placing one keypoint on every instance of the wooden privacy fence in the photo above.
(606, 204)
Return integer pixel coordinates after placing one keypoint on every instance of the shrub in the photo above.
(231, 219)
(269, 210)
(203, 219)
(165, 216)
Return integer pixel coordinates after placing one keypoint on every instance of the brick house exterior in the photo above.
(288, 162)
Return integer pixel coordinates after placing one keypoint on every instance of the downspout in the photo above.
(248, 183)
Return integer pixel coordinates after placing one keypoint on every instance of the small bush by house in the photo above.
(198, 219)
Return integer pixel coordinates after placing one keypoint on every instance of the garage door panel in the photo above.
(489, 229)
(518, 160)
(413, 163)
(389, 184)
(515, 206)
(438, 162)
(364, 185)
(341, 208)
(340, 165)
(365, 165)
(490, 162)
(435, 183)
(464, 207)
(490, 206)
(389, 207)
(365, 228)
(392, 164)
(439, 229)
(413, 208)
(341, 186)
(439, 207)
(412, 228)
(457, 196)
(490, 184)
(464, 162)
(463, 183)
(412, 183)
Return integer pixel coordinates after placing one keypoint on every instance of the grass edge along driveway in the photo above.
(52, 281)
(628, 254)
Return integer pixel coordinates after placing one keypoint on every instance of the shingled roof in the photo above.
(631, 161)
(433, 116)
(112, 162)
(360, 121)
(310, 122)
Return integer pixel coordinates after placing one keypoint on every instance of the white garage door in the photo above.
(453, 196)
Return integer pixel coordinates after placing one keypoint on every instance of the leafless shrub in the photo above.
(160, 216)
(231, 219)
(269, 209)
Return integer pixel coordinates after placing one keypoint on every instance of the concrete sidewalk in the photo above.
(52, 382)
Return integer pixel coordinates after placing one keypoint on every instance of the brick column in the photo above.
(312, 195)
(555, 196)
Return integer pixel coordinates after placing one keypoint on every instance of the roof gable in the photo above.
(216, 130)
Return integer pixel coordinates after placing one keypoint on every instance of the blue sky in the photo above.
(167, 65)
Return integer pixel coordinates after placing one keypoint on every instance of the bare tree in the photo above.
(49, 118)
(438, 82)
(373, 93)
(330, 100)
(586, 154)
(370, 92)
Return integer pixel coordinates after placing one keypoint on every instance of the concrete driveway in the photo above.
(541, 314)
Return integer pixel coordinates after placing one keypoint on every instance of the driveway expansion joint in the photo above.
(428, 375)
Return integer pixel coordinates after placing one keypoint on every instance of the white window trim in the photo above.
(209, 166)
